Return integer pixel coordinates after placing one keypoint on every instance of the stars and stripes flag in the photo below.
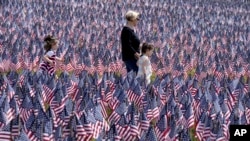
(5, 133)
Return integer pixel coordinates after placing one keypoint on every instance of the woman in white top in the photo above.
(144, 64)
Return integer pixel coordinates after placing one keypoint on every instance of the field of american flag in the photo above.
(200, 83)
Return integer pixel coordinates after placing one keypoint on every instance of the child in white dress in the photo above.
(50, 58)
(144, 64)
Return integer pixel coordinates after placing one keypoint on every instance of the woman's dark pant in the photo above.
(131, 65)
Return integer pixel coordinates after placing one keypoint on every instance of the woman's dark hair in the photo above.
(49, 42)
(146, 46)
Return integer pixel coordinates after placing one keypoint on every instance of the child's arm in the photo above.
(144, 64)
(59, 59)
(146, 75)
(46, 58)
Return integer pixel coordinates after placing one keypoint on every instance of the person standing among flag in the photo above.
(144, 64)
(49, 58)
(130, 42)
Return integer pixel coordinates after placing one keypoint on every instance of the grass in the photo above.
(153, 76)
(192, 134)
(245, 78)
(19, 71)
(58, 72)
(109, 111)
(191, 72)
(153, 122)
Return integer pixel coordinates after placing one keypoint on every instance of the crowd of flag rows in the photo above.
(37, 106)
(200, 64)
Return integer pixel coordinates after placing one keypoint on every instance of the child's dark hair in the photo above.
(49, 42)
(146, 46)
